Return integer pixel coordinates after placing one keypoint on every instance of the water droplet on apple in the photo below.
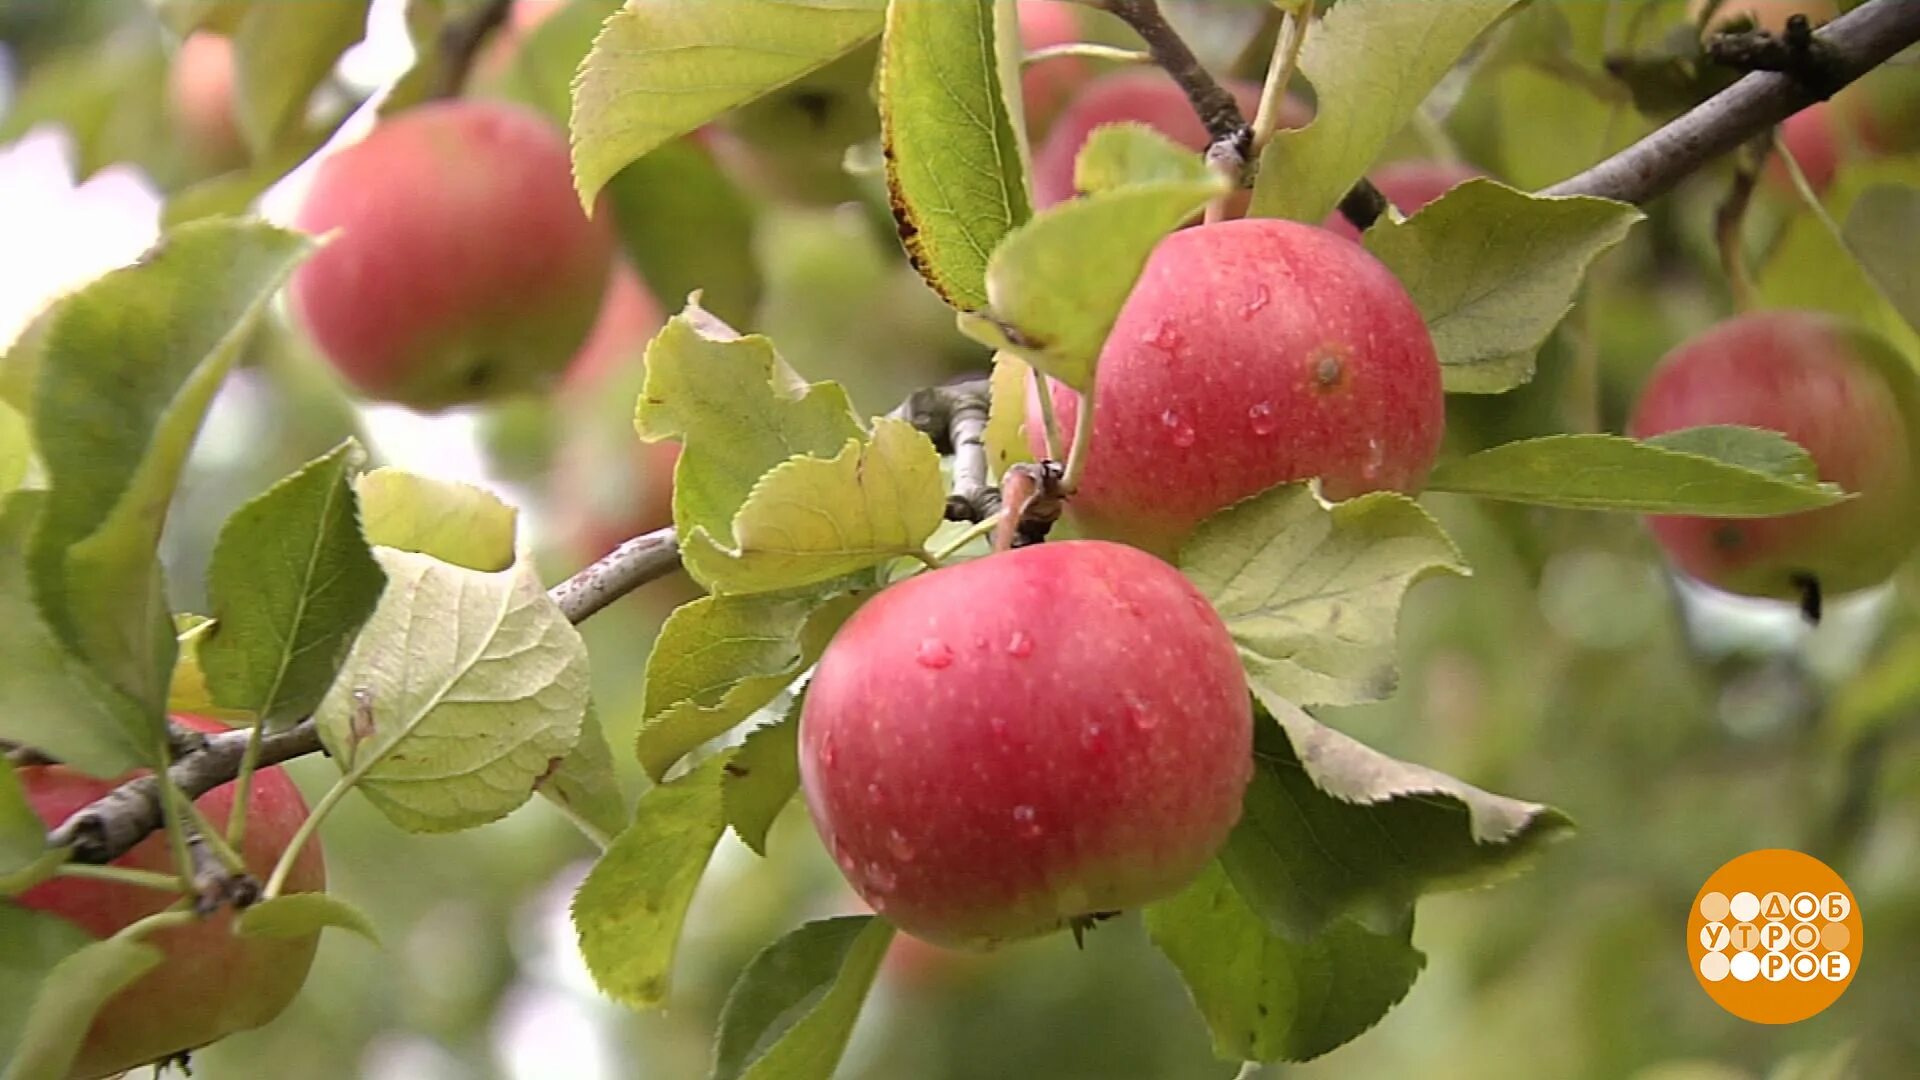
(1376, 457)
(1166, 337)
(998, 724)
(1142, 717)
(1180, 431)
(1020, 645)
(1023, 816)
(881, 879)
(897, 843)
(873, 792)
(1090, 735)
(848, 864)
(1254, 303)
(826, 749)
(934, 654)
(1260, 416)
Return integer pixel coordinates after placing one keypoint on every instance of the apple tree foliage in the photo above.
(401, 612)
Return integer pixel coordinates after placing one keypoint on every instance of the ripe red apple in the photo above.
(629, 317)
(464, 268)
(1252, 353)
(1841, 393)
(211, 983)
(1143, 96)
(1046, 86)
(1409, 186)
(996, 749)
(200, 95)
(1812, 136)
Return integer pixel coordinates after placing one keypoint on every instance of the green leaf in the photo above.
(953, 165)
(1812, 267)
(812, 520)
(453, 522)
(738, 410)
(1311, 592)
(1371, 62)
(302, 914)
(547, 57)
(290, 583)
(23, 838)
(1006, 436)
(50, 699)
(762, 778)
(27, 875)
(1493, 271)
(789, 1015)
(16, 448)
(1882, 693)
(1266, 997)
(629, 911)
(1883, 230)
(585, 787)
(1334, 829)
(687, 228)
(32, 943)
(72, 993)
(1057, 283)
(490, 698)
(662, 68)
(719, 659)
(1124, 154)
(1726, 472)
(281, 53)
(129, 366)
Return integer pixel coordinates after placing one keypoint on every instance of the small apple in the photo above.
(1252, 353)
(1409, 186)
(463, 269)
(212, 983)
(1845, 396)
(200, 97)
(1012, 745)
(1046, 86)
(1143, 96)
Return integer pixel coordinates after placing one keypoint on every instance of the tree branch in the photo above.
(1227, 128)
(1854, 44)
(954, 416)
(460, 43)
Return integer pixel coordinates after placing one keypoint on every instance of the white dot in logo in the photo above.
(1744, 906)
(1714, 937)
(1745, 966)
(1836, 907)
(1806, 906)
(1805, 966)
(1714, 966)
(1773, 907)
(1773, 936)
(1713, 906)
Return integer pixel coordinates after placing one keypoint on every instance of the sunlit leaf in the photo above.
(453, 522)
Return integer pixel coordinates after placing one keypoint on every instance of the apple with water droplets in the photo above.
(1008, 746)
(212, 982)
(1846, 397)
(1250, 354)
(462, 267)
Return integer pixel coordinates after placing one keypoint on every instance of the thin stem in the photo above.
(1729, 225)
(973, 532)
(243, 785)
(175, 915)
(203, 832)
(1082, 441)
(1049, 423)
(1088, 50)
(122, 875)
(305, 833)
(1273, 95)
(1804, 188)
(170, 819)
(587, 828)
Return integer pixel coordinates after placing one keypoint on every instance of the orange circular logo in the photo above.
(1774, 936)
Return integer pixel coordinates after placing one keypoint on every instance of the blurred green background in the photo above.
(1678, 729)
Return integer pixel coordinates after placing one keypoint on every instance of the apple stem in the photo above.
(278, 879)
(1082, 441)
(1049, 423)
(243, 785)
(1273, 94)
(123, 875)
(1729, 222)
(1804, 188)
(1089, 50)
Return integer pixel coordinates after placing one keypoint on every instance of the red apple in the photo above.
(1841, 393)
(464, 268)
(1409, 186)
(1143, 96)
(1812, 137)
(1252, 353)
(629, 317)
(1046, 86)
(997, 749)
(211, 983)
(200, 95)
